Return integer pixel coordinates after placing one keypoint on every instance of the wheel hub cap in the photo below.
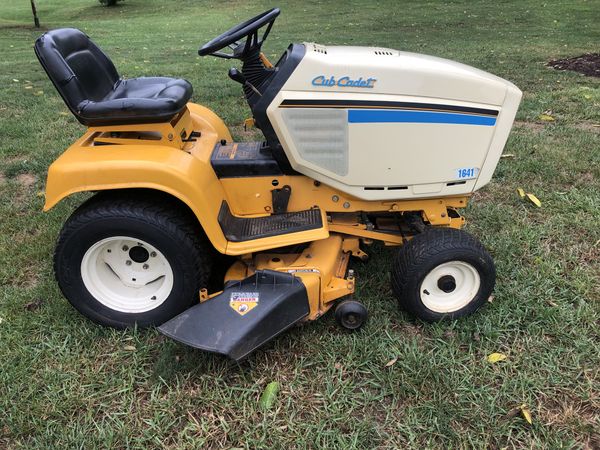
(127, 274)
(139, 254)
(450, 286)
(447, 283)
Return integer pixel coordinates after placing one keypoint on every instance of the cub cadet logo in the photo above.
(243, 302)
(322, 80)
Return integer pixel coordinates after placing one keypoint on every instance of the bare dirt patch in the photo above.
(26, 179)
(535, 126)
(587, 126)
(587, 64)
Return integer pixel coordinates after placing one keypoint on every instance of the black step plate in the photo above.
(237, 229)
(245, 316)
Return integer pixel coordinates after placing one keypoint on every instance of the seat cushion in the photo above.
(138, 100)
(91, 87)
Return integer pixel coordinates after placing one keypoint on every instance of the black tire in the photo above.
(152, 217)
(425, 252)
(351, 314)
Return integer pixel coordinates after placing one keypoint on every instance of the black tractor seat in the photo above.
(90, 85)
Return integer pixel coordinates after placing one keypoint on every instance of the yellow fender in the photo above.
(184, 173)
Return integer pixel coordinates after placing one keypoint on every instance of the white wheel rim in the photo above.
(462, 275)
(123, 283)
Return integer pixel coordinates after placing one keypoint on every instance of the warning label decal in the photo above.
(243, 302)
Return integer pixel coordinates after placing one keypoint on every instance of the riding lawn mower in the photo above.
(361, 144)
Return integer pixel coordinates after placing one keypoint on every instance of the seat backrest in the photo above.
(78, 68)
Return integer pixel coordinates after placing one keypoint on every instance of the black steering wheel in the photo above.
(232, 38)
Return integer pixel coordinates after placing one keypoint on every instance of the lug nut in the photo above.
(153, 254)
(128, 262)
(153, 297)
(145, 266)
(125, 248)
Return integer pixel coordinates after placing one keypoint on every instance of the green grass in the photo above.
(66, 383)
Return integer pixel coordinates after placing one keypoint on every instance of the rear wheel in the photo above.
(136, 259)
(442, 273)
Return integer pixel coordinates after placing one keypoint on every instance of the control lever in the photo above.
(238, 76)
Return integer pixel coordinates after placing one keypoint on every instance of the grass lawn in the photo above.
(67, 383)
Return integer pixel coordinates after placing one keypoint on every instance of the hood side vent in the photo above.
(317, 48)
(385, 52)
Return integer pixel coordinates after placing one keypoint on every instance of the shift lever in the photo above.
(238, 76)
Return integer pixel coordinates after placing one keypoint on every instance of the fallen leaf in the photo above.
(129, 348)
(38, 93)
(449, 334)
(521, 192)
(391, 362)
(35, 304)
(63, 113)
(512, 413)
(495, 357)
(526, 413)
(551, 303)
(267, 399)
(15, 80)
(587, 96)
(40, 194)
(28, 87)
(507, 155)
(1, 320)
(533, 199)
(546, 118)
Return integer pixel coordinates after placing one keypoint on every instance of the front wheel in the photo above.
(442, 273)
(137, 259)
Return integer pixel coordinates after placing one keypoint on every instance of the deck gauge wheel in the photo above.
(351, 314)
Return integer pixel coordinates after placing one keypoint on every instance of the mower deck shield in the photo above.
(246, 315)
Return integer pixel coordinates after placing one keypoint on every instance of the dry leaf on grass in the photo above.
(521, 192)
(533, 199)
(521, 410)
(526, 413)
(546, 116)
(129, 348)
(496, 357)
(34, 304)
(391, 362)
(507, 155)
